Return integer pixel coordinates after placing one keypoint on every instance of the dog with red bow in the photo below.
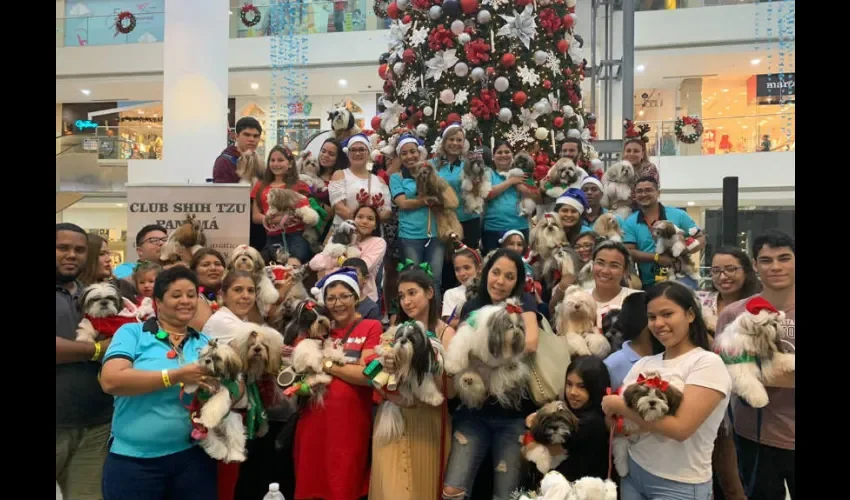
(652, 398)
(105, 311)
(552, 424)
(750, 348)
(290, 203)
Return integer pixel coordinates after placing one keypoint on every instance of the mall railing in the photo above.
(324, 16)
(643, 5)
(80, 169)
(80, 31)
(722, 135)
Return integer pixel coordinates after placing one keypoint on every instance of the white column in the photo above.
(194, 105)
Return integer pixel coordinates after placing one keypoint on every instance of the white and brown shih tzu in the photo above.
(247, 258)
(223, 434)
(431, 185)
(486, 355)
(546, 235)
(670, 240)
(475, 182)
(104, 311)
(522, 165)
(311, 324)
(562, 261)
(342, 245)
(618, 182)
(553, 424)
(291, 203)
(563, 175)
(608, 227)
(576, 320)
(417, 358)
(188, 237)
(652, 398)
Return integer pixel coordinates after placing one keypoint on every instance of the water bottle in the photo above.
(274, 493)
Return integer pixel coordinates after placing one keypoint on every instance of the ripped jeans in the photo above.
(473, 435)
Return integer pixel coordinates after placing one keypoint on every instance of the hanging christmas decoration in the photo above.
(688, 129)
(125, 23)
(250, 15)
(288, 54)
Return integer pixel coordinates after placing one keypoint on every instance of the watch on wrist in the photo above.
(328, 364)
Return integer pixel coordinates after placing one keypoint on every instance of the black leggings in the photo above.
(775, 468)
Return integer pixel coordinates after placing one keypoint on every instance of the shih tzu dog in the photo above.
(308, 171)
(431, 185)
(343, 123)
(752, 339)
(618, 182)
(291, 203)
(475, 182)
(576, 318)
(221, 432)
(247, 258)
(522, 165)
(652, 398)
(671, 241)
(553, 424)
(188, 237)
(417, 359)
(612, 329)
(309, 319)
(486, 355)
(563, 175)
(259, 348)
(312, 325)
(608, 227)
(343, 245)
(555, 486)
(563, 261)
(546, 235)
(105, 310)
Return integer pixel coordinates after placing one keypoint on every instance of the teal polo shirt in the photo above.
(451, 173)
(637, 232)
(124, 270)
(154, 424)
(412, 224)
(502, 212)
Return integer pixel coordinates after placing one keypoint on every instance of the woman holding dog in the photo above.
(449, 164)
(332, 439)
(675, 462)
(151, 455)
(411, 467)
(570, 207)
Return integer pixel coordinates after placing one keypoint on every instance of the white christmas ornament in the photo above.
(461, 69)
(403, 4)
(477, 74)
(528, 118)
(435, 12)
(520, 26)
(483, 16)
(442, 61)
(574, 133)
(422, 130)
(542, 107)
(539, 57)
(457, 27)
(408, 86)
(541, 134)
(571, 3)
(585, 134)
(501, 84)
(464, 38)
(560, 136)
(505, 115)
(390, 116)
(568, 111)
(427, 111)
(528, 76)
(447, 96)
(419, 36)
(398, 68)
(469, 122)
(460, 97)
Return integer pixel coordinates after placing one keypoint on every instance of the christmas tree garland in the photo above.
(688, 129)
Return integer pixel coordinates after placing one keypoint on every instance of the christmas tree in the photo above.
(506, 69)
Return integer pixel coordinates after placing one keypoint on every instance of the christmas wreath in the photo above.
(121, 26)
(380, 8)
(249, 9)
(688, 129)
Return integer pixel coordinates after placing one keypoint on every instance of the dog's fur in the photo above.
(611, 329)
(291, 203)
(486, 356)
(417, 359)
(608, 227)
(563, 261)
(651, 403)
(555, 486)
(618, 182)
(247, 258)
(309, 318)
(429, 184)
(553, 424)
(755, 335)
(576, 318)
(523, 164)
(475, 182)
(309, 169)
(307, 358)
(226, 437)
(188, 237)
(103, 300)
(563, 175)
(546, 235)
(343, 243)
(670, 240)
(343, 123)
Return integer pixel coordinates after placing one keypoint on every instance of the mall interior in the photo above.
(713, 59)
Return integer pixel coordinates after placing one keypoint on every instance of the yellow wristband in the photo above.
(657, 256)
(166, 380)
(97, 350)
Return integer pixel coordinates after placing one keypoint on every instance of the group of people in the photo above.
(124, 426)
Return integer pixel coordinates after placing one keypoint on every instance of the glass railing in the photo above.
(724, 135)
(325, 16)
(644, 5)
(83, 30)
(78, 169)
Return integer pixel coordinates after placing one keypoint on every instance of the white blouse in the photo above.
(349, 187)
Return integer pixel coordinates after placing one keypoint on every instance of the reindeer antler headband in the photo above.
(375, 201)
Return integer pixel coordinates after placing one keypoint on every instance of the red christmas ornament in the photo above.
(563, 46)
(491, 70)
(520, 97)
(388, 86)
(383, 71)
(558, 122)
(508, 60)
(469, 6)
(568, 72)
(376, 122)
(568, 21)
(408, 56)
(442, 124)
(392, 10)
(453, 117)
(407, 19)
(547, 84)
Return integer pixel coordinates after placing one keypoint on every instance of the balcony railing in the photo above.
(733, 134)
(644, 5)
(324, 16)
(81, 31)
(78, 169)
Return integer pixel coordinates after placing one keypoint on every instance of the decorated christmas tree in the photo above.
(509, 69)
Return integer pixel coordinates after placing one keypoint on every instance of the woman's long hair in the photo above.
(89, 274)
(291, 175)
(685, 298)
(483, 298)
(341, 158)
(595, 376)
(421, 279)
(751, 285)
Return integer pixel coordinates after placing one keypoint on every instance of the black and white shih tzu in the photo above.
(418, 361)
(553, 424)
(307, 361)
(652, 398)
(225, 434)
(105, 310)
(486, 355)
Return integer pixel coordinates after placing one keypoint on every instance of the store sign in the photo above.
(300, 108)
(90, 145)
(775, 88)
(84, 124)
(222, 210)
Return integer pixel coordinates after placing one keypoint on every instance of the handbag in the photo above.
(548, 364)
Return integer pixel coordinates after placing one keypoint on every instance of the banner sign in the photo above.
(772, 89)
(222, 209)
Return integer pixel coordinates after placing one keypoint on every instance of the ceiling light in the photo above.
(640, 67)
(119, 205)
(725, 90)
(744, 127)
(690, 203)
(85, 91)
(343, 83)
(755, 62)
(231, 12)
(255, 86)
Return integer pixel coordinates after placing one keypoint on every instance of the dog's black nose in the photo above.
(652, 404)
(258, 349)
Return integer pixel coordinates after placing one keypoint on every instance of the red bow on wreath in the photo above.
(655, 381)
(513, 309)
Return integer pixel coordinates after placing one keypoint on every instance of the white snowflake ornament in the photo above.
(419, 37)
(528, 76)
(461, 96)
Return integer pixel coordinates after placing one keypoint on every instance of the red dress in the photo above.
(332, 441)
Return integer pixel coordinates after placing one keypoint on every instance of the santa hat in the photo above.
(592, 180)
(450, 127)
(361, 138)
(759, 304)
(347, 276)
(510, 233)
(576, 199)
(408, 139)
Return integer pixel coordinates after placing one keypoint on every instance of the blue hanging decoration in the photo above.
(288, 54)
(787, 36)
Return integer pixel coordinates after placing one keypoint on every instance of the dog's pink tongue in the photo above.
(198, 434)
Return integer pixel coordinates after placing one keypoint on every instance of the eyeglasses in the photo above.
(728, 270)
(584, 246)
(155, 241)
(342, 299)
(358, 151)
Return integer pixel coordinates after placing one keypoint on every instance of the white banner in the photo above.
(222, 209)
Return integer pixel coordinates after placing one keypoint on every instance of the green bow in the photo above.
(427, 268)
(323, 214)
(404, 265)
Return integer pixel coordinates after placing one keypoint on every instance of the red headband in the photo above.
(462, 246)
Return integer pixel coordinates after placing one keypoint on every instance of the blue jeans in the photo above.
(473, 436)
(295, 245)
(434, 254)
(642, 485)
(187, 475)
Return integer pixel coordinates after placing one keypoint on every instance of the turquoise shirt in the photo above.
(502, 212)
(124, 270)
(451, 173)
(154, 424)
(411, 223)
(637, 232)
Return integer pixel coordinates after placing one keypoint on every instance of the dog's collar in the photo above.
(729, 359)
(152, 326)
